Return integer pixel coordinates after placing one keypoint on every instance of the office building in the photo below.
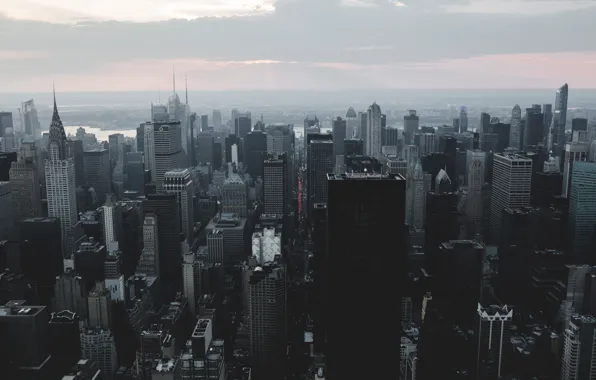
(204, 123)
(234, 195)
(255, 150)
(547, 112)
(320, 163)
(582, 212)
(205, 142)
(30, 119)
(99, 305)
(560, 121)
(411, 125)
(475, 163)
(179, 182)
(135, 172)
(70, 293)
(533, 129)
(463, 120)
(366, 239)
(60, 184)
(268, 325)
(98, 172)
(339, 135)
(574, 152)
(397, 165)
(163, 149)
(242, 125)
(215, 246)
(217, 120)
(191, 280)
(579, 349)
(140, 138)
(6, 218)
(41, 254)
(98, 345)
(372, 146)
(275, 196)
(511, 187)
(149, 260)
(417, 186)
(235, 237)
(351, 123)
(89, 261)
(6, 132)
(64, 339)
(494, 330)
(24, 185)
(25, 329)
(165, 207)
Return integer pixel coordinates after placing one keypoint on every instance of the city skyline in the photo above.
(91, 47)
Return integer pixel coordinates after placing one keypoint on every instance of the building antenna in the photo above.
(174, 79)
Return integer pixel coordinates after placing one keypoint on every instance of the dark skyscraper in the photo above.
(339, 135)
(254, 149)
(534, 129)
(97, 172)
(367, 244)
(242, 125)
(141, 138)
(168, 224)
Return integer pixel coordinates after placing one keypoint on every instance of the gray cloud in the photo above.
(300, 30)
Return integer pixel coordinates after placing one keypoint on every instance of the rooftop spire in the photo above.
(174, 80)
(54, 91)
(57, 133)
(186, 87)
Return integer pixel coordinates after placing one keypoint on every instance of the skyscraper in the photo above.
(475, 163)
(560, 120)
(339, 135)
(254, 150)
(60, 184)
(242, 125)
(6, 132)
(533, 129)
(351, 123)
(579, 349)
(320, 163)
(511, 187)
(372, 146)
(367, 241)
(493, 334)
(268, 327)
(163, 149)
(582, 212)
(515, 131)
(417, 185)
(179, 182)
(463, 119)
(24, 184)
(574, 152)
(411, 124)
(275, 195)
(149, 260)
(234, 195)
(97, 172)
(31, 121)
(547, 112)
(217, 120)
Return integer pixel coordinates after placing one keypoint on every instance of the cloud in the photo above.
(327, 39)
(20, 55)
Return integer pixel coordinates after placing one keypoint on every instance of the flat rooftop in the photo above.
(365, 175)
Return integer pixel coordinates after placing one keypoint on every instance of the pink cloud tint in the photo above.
(491, 71)
(19, 55)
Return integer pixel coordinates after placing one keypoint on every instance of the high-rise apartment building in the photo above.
(579, 349)
(560, 120)
(547, 114)
(60, 184)
(25, 185)
(366, 239)
(234, 195)
(98, 172)
(179, 182)
(163, 149)
(516, 125)
(275, 197)
(511, 187)
(149, 260)
(582, 212)
(268, 325)
(372, 145)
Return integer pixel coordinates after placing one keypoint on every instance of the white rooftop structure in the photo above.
(265, 245)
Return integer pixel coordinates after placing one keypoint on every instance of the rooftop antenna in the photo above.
(174, 79)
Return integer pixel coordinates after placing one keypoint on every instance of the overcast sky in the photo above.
(118, 45)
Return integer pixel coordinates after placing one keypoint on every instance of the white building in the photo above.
(266, 245)
(373, 131)
(60, 184)
(515, 130)
(579, 349)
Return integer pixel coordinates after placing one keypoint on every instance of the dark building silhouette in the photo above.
(534, 129)
(217, 156)
(545, 187)
(242, 126)
(229, 141)
(141, 138)
(361, 164)
(255, 150)
(579, 124)
(367, 239)
(64, 340)
(41, 254)
(441, 225)
(75, 151)
(6, 160)
(353, 147)
(319, 223)
(168, 225)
